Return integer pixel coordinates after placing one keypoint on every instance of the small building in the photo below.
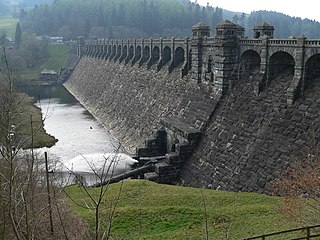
(228, 28)
(56, 40)
(8, 42)
(201, 30)
(49, 75)
(263, 29)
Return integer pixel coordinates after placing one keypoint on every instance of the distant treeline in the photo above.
(285, 25)
(147, 18)
(12, 7)
(4, 10)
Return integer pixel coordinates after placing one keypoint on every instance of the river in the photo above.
(84, 146)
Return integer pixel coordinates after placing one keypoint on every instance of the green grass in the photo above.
(152, 211)
(57, 56)
(41, 138)
(8, 25)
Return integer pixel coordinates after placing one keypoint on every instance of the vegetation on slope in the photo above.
(32, 113)
(57, 54)
(147, 18)
(8, 26)
(147, 210)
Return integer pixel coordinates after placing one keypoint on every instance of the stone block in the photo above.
(152, 176)
(173, 159)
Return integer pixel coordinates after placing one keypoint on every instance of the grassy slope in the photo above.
(41, 138)
(57, 56)
(8, 25)
(55, 61)
(151, 211)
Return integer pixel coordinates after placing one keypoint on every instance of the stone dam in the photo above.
(225, 112)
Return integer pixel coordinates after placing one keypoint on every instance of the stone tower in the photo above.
(80, 46)
(225, 46)
(263, 29)
(199, 32)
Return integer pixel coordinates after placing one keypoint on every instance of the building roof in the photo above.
(201, 25)
(227, 24)
(263, 25)
(46, 71)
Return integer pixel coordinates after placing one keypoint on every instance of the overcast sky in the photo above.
(304, 9)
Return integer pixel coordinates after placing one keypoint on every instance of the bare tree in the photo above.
(94, 199)
(23, 189)
(300, 187)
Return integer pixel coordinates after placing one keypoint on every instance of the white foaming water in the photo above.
(84, 146)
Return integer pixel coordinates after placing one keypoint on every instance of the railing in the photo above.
(250, 41)
(304, 231)
(137, 41)
(312, 42)
(283, 42)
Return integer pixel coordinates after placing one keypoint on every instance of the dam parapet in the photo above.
(227, 112)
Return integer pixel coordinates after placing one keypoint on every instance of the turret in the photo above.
(227, 29)
(201, 30)
(263, 29)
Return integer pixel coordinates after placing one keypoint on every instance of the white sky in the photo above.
(295, 8)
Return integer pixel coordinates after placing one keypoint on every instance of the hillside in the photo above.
(8, 26)
(147, 210)
(148, 18)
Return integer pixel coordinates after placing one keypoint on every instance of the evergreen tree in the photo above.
(3, 37)
(17, 39)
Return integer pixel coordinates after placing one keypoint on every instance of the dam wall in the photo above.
(229, 112)
(130, 100)
(251, 140)
(247, 140)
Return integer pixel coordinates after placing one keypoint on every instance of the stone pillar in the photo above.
(186, 65)
(80, 46)
(225, 56)
(298, 84)
(199, 31)
(150, 60)
(159, 66)
(172, 64)
(196, 61)
(263, 76)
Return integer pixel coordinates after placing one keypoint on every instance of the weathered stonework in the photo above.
(131, 101)
(253, 102)
(251, 139)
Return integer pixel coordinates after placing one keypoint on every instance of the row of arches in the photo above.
(130, 54)
(279, 61)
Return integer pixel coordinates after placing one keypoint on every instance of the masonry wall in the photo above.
(130, 101)
(251, 140)
(248, 141)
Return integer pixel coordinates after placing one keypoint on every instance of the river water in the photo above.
(84, 147)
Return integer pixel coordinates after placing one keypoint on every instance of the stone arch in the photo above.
(166, 55)
(131, 52)
(119, 48)
(155, 54)
(138, 53)
(146, 53)
(178, 56)
(250, 61)
(125, 51)
(109, 51)
(100, 51)
(114, 51)
(279, 62)
(312, 69)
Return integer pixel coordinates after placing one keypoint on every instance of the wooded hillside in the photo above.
(147, 18)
